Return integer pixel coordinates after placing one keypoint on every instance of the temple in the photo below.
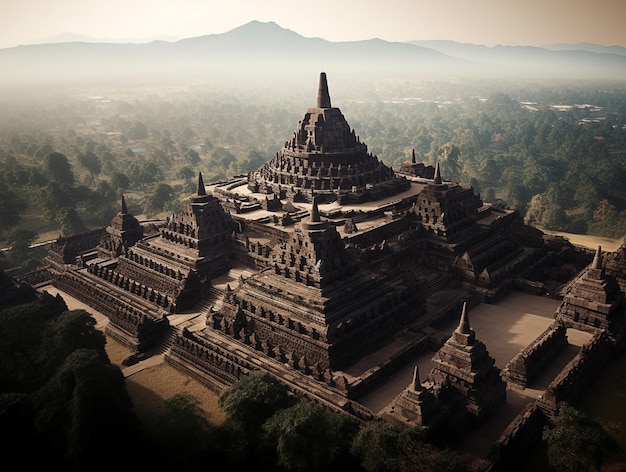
(327, 158)
(332, 271)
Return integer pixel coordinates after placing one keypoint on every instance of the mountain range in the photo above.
(260, 50)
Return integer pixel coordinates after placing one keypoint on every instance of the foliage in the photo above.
(253, 400)
(58, 385)
(382, 447)
(308, 436)
(576, 442)
(184, 435)
(58, 169)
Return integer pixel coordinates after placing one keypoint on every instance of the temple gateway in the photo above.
(331, 271)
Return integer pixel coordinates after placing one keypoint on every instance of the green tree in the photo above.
(10, 208)
(145, 172)
(308, 436)
(193, 157)
(69, 220)
(252, 400)
(20, 255)
(120, 181)
(157, 202)
(576, 442)
(58, 168)
(379, 447)
(91, 163)
(184, 431)
(22, 329)
(85, 405)
(73, 330)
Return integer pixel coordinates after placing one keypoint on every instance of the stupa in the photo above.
(464, 365)
(325, 157)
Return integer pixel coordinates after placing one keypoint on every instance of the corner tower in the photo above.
(464, 365)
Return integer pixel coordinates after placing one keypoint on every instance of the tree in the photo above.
(576, 442)
(58, 169)
(10, 208)
(145, 172)
(70, 222)
(22, 329)
(308, 436)
(449, 154)
(20, 254)
(84, 405)
(91, 163)
(379, 447)
(120, 181)
(73, 330)
(193, 157)
(157, 202)
(251, 401)
(183, 430)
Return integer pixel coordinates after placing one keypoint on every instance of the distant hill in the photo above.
(587, 47)
(582, 60)
(257, 51)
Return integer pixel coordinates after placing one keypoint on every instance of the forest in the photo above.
(556, 151)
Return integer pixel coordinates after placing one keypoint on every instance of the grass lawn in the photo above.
(150, 388)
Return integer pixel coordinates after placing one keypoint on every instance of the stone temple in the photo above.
(332, 271)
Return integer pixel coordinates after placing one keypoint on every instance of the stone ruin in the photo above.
(333, 256)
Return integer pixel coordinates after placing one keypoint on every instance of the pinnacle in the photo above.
(124, 210)
(315, 212)
(437, 179)
(464, 325)
(323, 97)
(597, 259)
(416, 383)
(201, 189)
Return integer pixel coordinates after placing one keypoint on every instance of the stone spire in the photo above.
(314, 223)
(464, 334)
(323, 97)
(437, 179)
(597, 259)
(416, 384)
(315, 211)
(124, 210)
(464, 326)
(201, 189)
(413, 156)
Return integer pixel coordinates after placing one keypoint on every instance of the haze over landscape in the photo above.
(510, 116)
(487, 22)
(189, 41)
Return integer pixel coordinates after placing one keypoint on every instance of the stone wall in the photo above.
(578, 374)
(134, 327)
(518, 439)
(526, 365)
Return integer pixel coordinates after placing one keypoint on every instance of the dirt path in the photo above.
(592, 242)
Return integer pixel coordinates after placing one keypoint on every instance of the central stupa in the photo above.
(325, 157)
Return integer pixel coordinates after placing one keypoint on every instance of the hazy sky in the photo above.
(489, 22)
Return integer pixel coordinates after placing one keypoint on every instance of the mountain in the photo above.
(70, 37)
(587, 47)
(265, 51)
(582, 60)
